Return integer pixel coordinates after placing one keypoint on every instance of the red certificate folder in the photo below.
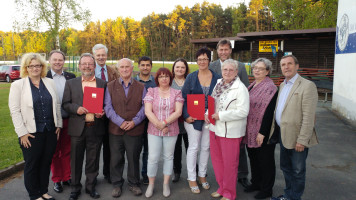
(211, 109)
(93, 99)
(196, 106)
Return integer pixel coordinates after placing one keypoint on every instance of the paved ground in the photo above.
(331, 171)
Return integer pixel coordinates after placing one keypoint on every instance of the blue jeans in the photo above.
(293, 165)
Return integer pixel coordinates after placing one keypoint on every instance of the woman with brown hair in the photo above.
(180, 71)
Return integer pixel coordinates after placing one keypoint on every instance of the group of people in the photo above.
(148, 114)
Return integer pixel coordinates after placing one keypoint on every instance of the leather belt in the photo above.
(89, 124)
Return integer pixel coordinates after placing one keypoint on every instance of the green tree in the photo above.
(239, 19)
(55, 14)
(302, 14)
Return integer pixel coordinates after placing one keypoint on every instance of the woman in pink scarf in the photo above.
(263, 96)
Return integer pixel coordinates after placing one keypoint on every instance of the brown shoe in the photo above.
(116, 192)
(135, 190)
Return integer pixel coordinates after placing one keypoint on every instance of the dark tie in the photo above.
(102, 74)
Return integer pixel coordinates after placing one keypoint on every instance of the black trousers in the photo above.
(263, 167)
(145, 149)
(177, 160)
(38, 160)
(106, 155)
(242, 171)
(89, 144)
(132, 146)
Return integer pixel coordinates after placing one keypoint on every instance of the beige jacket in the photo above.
(21, 105)
(298, 115)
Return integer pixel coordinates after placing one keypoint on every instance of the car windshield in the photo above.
(16, 68)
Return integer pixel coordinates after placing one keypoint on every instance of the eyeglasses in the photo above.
(34, 66)
(87, 64)
(162, 77)
(258, 68)
(203, 60)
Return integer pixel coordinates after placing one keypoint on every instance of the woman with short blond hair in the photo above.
(36, 114)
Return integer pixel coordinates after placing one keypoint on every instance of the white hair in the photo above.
(124, 59)
(100, 46)
(231, 62)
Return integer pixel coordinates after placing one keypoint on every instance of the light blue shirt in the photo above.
(98, 72)
(110, 111)
(60, 82)
(283, 95)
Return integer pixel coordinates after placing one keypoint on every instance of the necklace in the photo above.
(179, 82)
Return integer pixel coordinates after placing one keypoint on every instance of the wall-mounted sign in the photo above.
(346, 31)
(265, 46)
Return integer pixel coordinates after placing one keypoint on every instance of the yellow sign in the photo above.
(265, 46)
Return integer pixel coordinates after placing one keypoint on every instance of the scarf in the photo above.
(260, 97)
(221, 87)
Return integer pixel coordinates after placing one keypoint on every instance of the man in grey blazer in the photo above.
(224, 50)
(86, 129)
(293, 124)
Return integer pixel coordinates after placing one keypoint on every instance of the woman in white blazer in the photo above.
(36, 114)
(231, 110)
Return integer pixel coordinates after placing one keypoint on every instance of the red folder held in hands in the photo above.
(211, 109)
(196, 106)
(93, 99)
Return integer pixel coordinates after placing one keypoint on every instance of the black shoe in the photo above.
(67, 183)
(176, 177)
(251, 188)
(58, 187)
(244, 182)
(145, 179)
(74, 195)
(263, 195)
(108, 179)
(94, 194)
(281, 197)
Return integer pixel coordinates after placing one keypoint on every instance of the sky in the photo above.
(106, 9)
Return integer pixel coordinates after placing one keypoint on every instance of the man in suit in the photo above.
(106, 73)
(224, 50)
(293, 123)
(125, 109)
(60, 166)
(86, 129)
(145, 77)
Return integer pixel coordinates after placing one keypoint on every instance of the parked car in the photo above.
(9, 73)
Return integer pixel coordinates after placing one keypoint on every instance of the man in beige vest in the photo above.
(293, 124)
(125, 109)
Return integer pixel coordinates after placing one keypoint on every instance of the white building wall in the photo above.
(344, 91)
